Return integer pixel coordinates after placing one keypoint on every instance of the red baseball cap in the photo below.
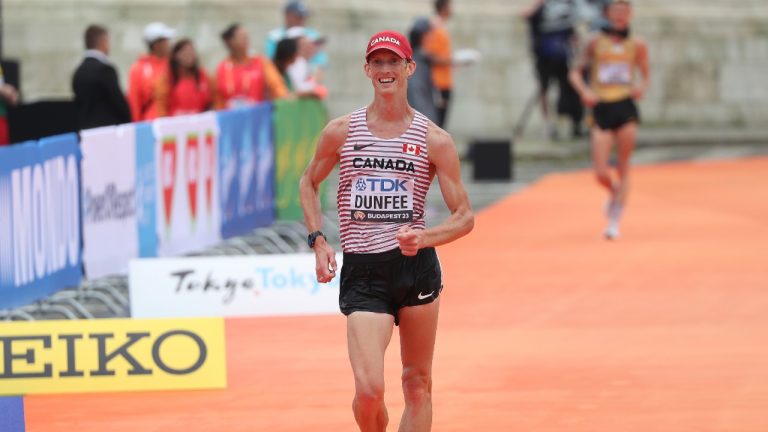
(390, 40)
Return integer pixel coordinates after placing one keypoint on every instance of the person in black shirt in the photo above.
(98, 98)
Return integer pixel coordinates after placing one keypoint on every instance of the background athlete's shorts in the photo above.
(385, 282)
(614, 115)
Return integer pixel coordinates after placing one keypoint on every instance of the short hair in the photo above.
(441, 4)
(93, 35)
(229, 32)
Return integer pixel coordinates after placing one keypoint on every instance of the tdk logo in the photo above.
(386, 185)
(39, 220)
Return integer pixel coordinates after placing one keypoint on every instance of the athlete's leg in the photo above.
(544, 75)
(602, 142)
(418, 328)
(368, 335)
(625, 137)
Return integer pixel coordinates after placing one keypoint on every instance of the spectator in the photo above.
(8, 96)
(437, 44)
(243, 79)
(295, 15)
(286, 53)
(421, 89)
(553, 37)
(98, 98)
(144, 73)
(594, 12)
(185, 88)
(299, 71)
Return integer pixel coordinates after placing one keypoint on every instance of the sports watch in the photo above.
(313, 236)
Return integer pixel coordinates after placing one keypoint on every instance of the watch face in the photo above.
(312, 237)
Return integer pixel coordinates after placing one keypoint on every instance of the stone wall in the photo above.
(708, 57)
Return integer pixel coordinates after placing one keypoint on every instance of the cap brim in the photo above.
(392, 48)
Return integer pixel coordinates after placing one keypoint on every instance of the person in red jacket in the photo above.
(144, 73)
(185, 88)
(244, 79)
(8, 96)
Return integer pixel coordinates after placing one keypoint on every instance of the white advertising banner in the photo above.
(108, 172)
(188, 213)
(254, 285)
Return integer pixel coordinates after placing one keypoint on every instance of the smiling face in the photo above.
(388, 71)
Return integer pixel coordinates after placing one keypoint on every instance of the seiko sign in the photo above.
(106, 355)
(105, 358)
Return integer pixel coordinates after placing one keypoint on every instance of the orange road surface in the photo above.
(544, 325)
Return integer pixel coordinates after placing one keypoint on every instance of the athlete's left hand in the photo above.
(410, 240)
(638, 93)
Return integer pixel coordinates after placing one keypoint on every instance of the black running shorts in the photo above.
(613, 115)
(388, 281)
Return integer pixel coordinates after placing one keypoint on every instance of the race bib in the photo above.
(381, 199)
(614, 73)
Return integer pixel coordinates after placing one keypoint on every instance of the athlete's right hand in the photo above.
(589, 98)
(325, 262)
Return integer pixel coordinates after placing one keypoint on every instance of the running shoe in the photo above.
(612, 231)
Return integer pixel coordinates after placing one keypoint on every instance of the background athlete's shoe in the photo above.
(612, 231)
(614, 211)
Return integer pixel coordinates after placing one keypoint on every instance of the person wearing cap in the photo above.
(300, 76)
(295, 15)
(611, 59)
(553, 25)
(148, 68)
(244, 79)
(388, 154)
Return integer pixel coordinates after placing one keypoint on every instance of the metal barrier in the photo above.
(108, 297)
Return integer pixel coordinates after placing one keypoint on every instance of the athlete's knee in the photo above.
(417, 385)
(603, 175)
(369, 394)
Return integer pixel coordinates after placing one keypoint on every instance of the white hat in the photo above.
(295, 32)
(156, 31)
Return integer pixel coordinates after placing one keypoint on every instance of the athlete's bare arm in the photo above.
(641, 61)
(576, 74)
(445, 159)
(326, 157)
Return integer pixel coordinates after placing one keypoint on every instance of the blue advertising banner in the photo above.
(12, 414)
(40, 241)
(146, 203)
(246, 166)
